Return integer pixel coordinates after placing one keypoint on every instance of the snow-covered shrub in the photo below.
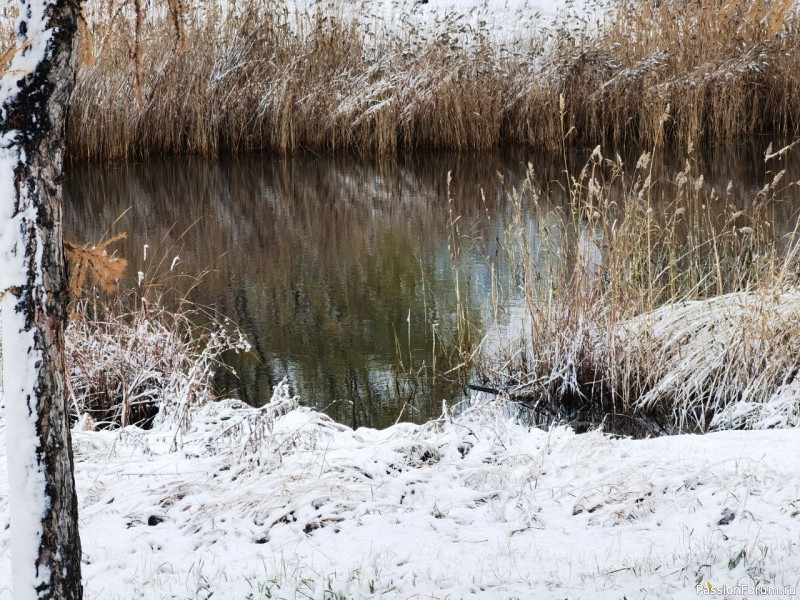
(127, 365)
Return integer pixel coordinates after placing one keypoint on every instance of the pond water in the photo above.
(341, 272)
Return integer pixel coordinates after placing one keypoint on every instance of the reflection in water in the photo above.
(337, 270)
(322, 262)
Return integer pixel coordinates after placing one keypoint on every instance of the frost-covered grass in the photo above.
(398, 75)
(128, 364)
(281, 502)
(730, 362)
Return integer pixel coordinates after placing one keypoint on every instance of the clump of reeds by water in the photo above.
(128, 365)
(658, 299)
(333, 77)
(136, 355)
(262, 78)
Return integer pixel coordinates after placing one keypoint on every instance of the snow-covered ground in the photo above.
(500, 21)
(282, 502)
(503, 19)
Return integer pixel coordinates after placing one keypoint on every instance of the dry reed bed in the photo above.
(328, 79)
(657, 300)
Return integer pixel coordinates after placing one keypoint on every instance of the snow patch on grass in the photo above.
(282, 502)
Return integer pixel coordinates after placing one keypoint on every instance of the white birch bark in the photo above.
(45, 546)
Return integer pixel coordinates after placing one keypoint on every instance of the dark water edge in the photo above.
(341, 271)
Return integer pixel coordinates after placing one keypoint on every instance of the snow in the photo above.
(502, 22)
(24, 474)
(32, 53)
(12, 220)
(283, 502)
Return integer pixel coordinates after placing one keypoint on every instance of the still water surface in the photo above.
(338, 270)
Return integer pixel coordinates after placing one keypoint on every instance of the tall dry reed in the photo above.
(686, 71)
(332, 77)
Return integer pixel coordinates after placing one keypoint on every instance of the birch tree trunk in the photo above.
(34, 94)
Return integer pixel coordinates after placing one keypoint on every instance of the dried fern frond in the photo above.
(92, 263)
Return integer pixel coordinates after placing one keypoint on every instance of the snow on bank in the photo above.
(503, 20)
(284, 503)
(499, 21)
